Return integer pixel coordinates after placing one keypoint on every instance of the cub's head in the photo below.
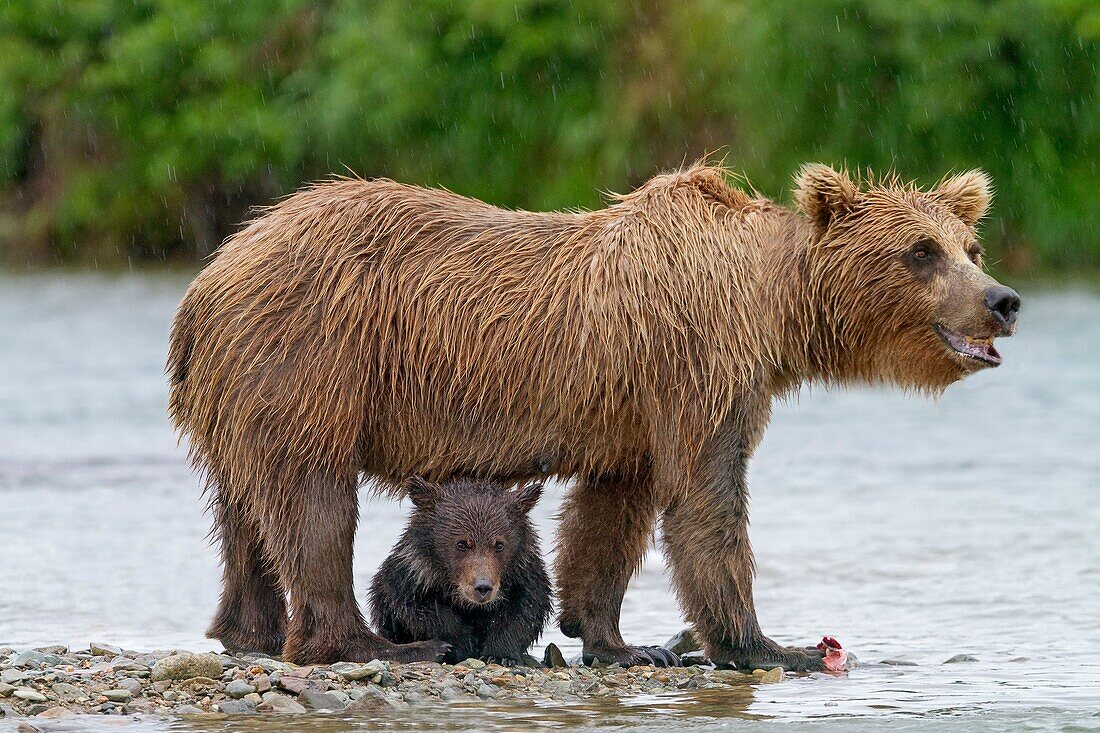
(895, 275)
(472, 531)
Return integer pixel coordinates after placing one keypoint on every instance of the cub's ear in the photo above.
(967, 195)
(824, 194)
(423, 493)
(527, 496)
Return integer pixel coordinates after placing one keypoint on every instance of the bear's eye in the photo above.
(463, 545)
(976, 253)
(923, 252)
(499, 547)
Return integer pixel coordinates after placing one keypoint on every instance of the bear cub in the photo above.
(467, 571)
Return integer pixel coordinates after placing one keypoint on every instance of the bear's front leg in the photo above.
(706, 538)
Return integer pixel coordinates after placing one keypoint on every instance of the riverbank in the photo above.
(55, 682)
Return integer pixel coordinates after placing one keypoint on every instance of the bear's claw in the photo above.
(631, 656)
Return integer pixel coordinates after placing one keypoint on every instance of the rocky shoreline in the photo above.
(55, 682)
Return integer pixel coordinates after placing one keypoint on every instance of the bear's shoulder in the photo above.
(714, 183)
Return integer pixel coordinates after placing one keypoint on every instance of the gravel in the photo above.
(54, 682)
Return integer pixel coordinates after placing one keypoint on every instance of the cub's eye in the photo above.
(499, 547)
(463, 545)
(976, 253)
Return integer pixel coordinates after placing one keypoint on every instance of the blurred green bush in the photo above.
(143, 130)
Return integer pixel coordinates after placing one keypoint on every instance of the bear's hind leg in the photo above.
(251, 615)
(605, 528)
(308, 534)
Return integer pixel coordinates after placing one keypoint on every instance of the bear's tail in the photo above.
(181, 344)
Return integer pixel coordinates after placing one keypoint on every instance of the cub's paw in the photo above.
(432, 650)
(630, 656)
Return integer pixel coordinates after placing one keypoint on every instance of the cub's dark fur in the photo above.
(467, 571)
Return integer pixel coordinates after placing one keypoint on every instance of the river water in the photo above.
(910, 529)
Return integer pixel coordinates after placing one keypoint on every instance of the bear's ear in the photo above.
(527, 496)
(824, 194)
(423, 493)
(967, 195)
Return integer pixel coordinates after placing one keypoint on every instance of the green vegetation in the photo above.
(144, 130)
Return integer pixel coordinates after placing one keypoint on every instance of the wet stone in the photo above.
(279, 704)
(118, 695)
(199, 685)
(321, 700)
(553, 657)
(32, 658)
(237, 707)
(355, 672)
(238, 689)
(368, 704)
(351, 671)
(11, 676)
(186, 665)
(124, 664)
(57, 712)
(130, 684)
(295, 685)
(958, 658)
(28, 694)
(65, 691)
(684, 642)
(773, 675)
(104, 650)
(271, 665)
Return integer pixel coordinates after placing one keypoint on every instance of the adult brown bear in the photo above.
(373, 330)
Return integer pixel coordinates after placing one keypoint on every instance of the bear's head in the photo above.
(472, 531)
(895, 279)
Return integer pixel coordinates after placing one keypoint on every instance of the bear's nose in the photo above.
(483, 588)
(1003, 303)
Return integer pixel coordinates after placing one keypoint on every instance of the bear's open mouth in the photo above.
(981, 349)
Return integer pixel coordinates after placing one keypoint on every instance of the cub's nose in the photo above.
(1003, 303)
(482, 588)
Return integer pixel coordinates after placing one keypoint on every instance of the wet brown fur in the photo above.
(373, 329)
